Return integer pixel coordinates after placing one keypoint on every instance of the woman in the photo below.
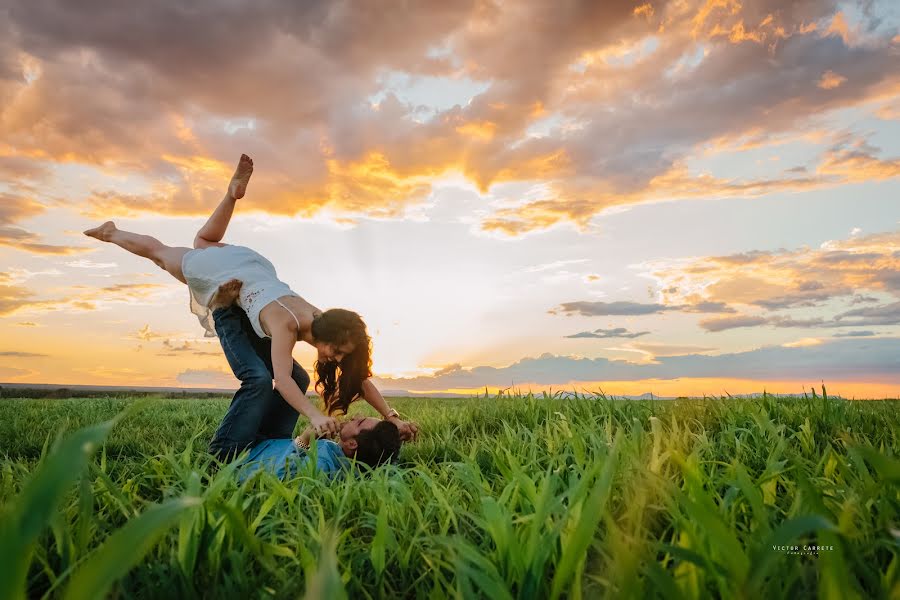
(217, 274)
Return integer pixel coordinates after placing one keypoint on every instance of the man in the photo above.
(257, 411)
(365, 439)
(259, 418)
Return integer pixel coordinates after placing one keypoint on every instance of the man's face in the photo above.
(350, 429)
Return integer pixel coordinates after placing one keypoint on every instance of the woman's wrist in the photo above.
(392, 414)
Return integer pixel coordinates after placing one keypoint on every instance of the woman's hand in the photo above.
(408, 429)
(325, 425)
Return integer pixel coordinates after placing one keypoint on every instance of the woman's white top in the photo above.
(205, 269)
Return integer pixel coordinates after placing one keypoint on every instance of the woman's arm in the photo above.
(408, 430)
(283, 339)
(213, 230)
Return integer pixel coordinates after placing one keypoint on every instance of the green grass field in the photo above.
(500, 498)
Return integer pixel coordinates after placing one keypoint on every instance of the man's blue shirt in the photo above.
(282, 458)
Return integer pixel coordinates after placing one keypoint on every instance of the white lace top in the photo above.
(205, 269)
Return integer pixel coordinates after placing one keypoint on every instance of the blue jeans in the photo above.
(257, 411)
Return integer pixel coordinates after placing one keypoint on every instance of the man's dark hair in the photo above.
(378, 445)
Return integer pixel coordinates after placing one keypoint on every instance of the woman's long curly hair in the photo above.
(339, 384)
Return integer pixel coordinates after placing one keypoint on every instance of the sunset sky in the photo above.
(679, 197)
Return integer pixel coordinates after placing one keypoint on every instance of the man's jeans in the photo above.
(257, 412)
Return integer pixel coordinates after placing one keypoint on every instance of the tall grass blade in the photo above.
(326, 583)
(592, 511)
(124, 549)
(36, 505)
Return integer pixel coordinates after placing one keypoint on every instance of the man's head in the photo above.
(370, 440)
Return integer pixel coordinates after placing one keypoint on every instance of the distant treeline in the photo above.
(64, 392)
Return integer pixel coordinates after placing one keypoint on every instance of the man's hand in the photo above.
(408, 429)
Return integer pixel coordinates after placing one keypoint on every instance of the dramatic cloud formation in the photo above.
(621, 95)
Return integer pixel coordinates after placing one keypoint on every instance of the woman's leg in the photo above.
(166, 257)
(213, 230)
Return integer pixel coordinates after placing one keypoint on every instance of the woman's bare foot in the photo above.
(241, 177)
(103, 232)
(226, 294)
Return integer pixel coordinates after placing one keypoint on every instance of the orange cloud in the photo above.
(15, 208)
(774, 281)
(483, 130)
(158, 112)
(15, 299)
(838, 27)
(831, 80)
(645, 10)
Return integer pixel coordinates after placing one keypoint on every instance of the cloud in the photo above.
(803, 342)
(601, 309)
(707, 307)
(888, 314)
(172, 348)
(809, 296)
(448, 369)
(671, 349)
(831, 80)
(15, 354)
(146, 334)
(89, 264)
(150, 93)
(208, 377)
(864, 333)
(723, 323)
(741, 321)
(15, 298)
(15, 208)
(619, 308)
(89, 297)
(874, 359)
(618, 332)
(850, 269)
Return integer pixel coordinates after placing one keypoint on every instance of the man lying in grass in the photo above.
(366, 439)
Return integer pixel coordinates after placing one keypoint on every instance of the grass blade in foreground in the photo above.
(591, 513)
(29, 514)
(124, 549)
(326, 582)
